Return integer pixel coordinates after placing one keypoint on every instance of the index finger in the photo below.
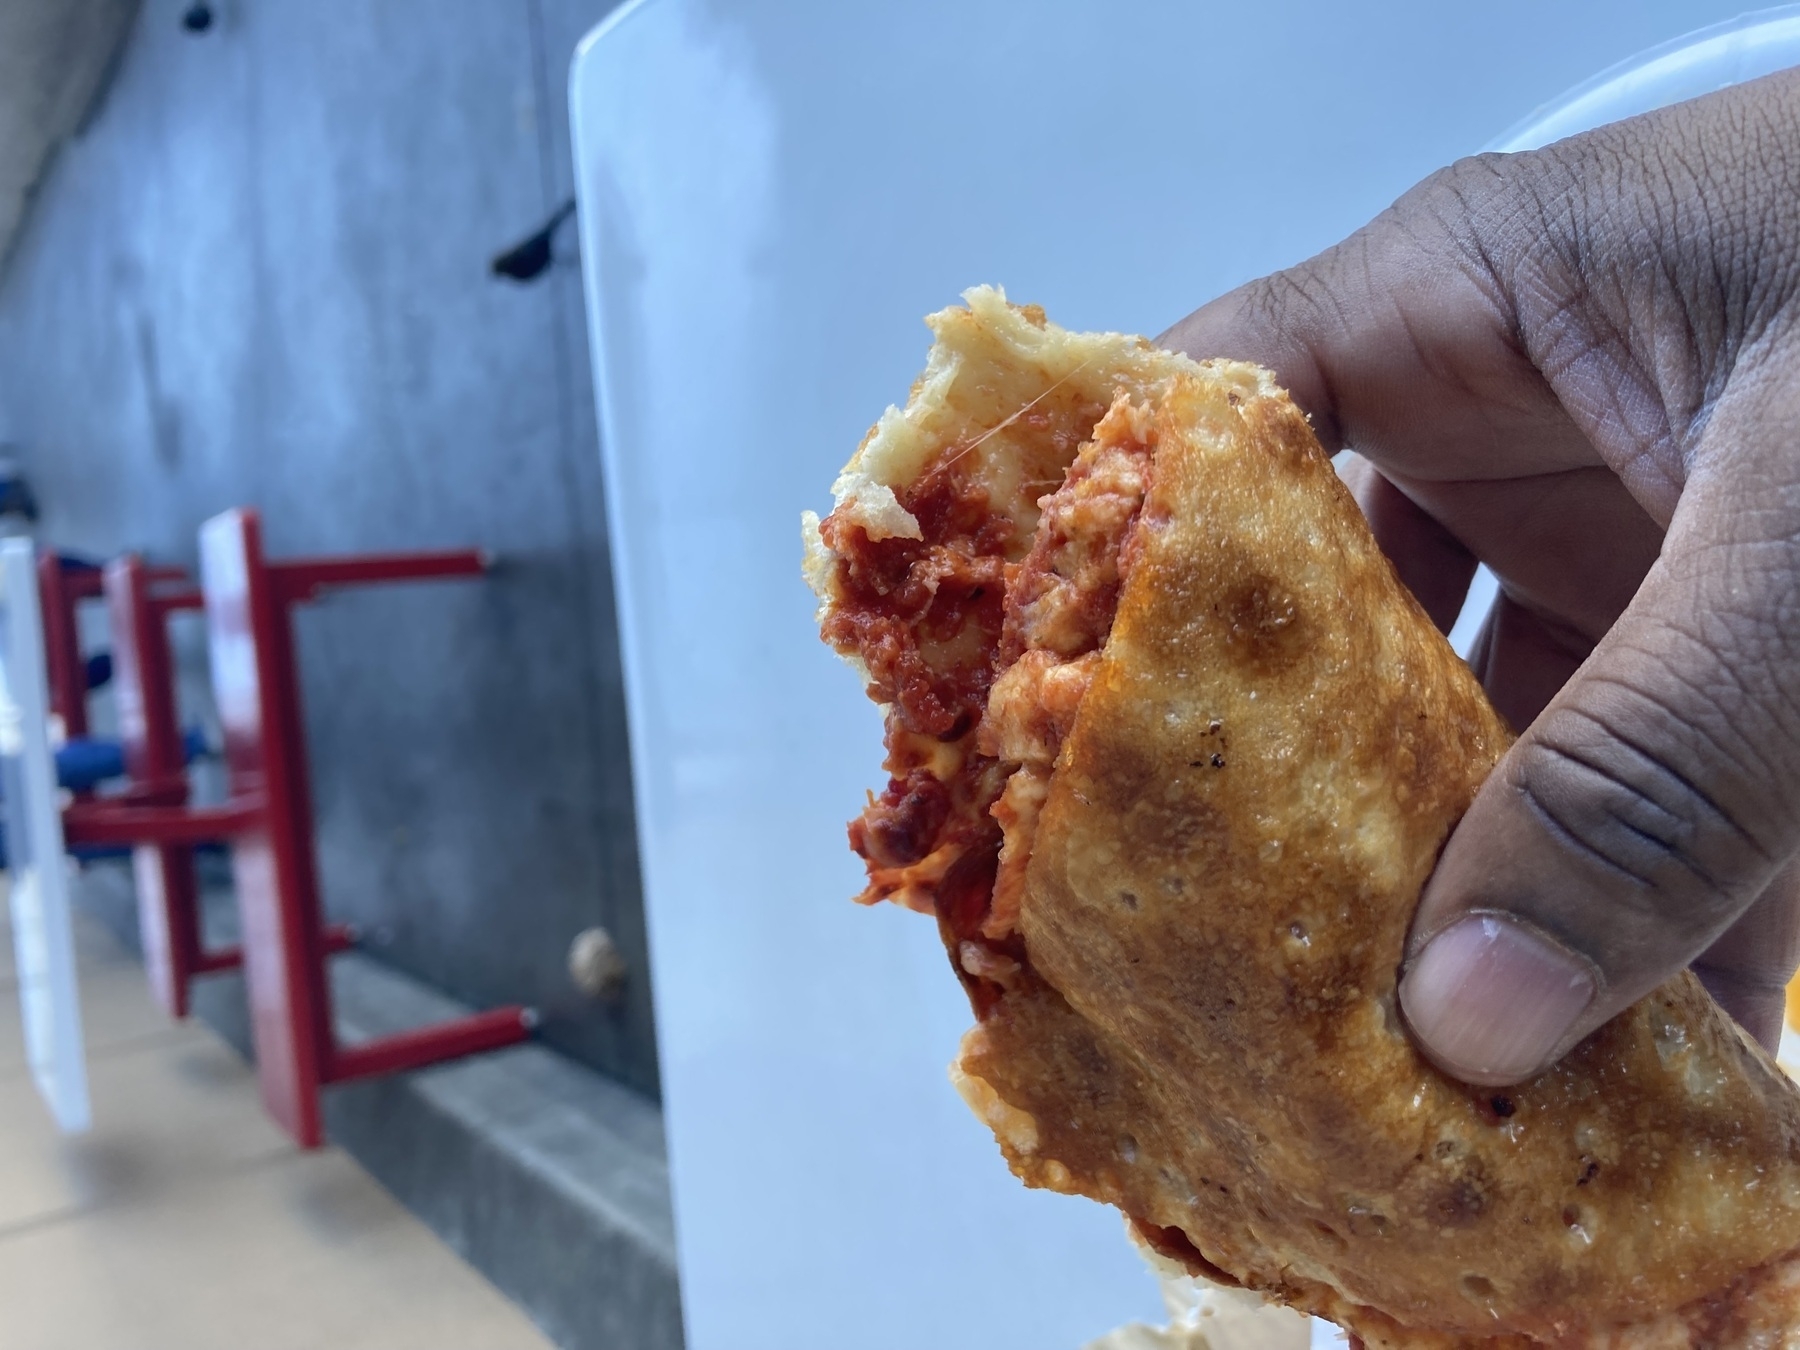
(1401, 343)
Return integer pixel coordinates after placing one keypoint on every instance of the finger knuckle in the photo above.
(1622, 800)
(1491, 208)
(1729, 657)
(1294, 300)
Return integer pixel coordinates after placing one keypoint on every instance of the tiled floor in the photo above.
(185, 1221)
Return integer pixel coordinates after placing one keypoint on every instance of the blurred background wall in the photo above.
(259, 275)
(55, 56)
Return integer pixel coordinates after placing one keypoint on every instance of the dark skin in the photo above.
(1581, 366)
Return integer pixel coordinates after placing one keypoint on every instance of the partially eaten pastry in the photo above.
(1171, 752)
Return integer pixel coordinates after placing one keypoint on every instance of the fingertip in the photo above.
(1492, 1002)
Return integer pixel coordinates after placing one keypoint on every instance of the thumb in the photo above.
(1647, 807)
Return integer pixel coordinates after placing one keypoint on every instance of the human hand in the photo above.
(1581, 366)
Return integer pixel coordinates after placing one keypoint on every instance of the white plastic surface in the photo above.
(43, 939)
(771, 196)
(1701, 62)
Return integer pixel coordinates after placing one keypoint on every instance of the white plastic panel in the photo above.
(772, 194)
(1713, 58)
(43, 938)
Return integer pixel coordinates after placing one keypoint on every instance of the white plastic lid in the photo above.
(1706, 60)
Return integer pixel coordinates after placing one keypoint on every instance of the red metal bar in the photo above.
(168, 922)
(251, 648)
(83, 582)
(99, 822)
(144, 679)
(430, 1045)
(156, 792)
(219, 958)
(60, 589)
(249, 603)
(338, 938)
(298, 580)
(168, 891)
(186, 598)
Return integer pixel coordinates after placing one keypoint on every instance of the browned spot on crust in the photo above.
(1462, 1203)
(1263, 624)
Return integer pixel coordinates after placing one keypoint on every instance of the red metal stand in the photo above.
(140, 599)
(168, 897)
(61, 588)
(249, 604)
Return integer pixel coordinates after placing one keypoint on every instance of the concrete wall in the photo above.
(259, 277)
(55, 56)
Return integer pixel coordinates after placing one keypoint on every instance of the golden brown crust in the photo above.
(1202, 1030)
(1219, 943)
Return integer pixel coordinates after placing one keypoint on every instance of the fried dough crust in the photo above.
(1197, 1019)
